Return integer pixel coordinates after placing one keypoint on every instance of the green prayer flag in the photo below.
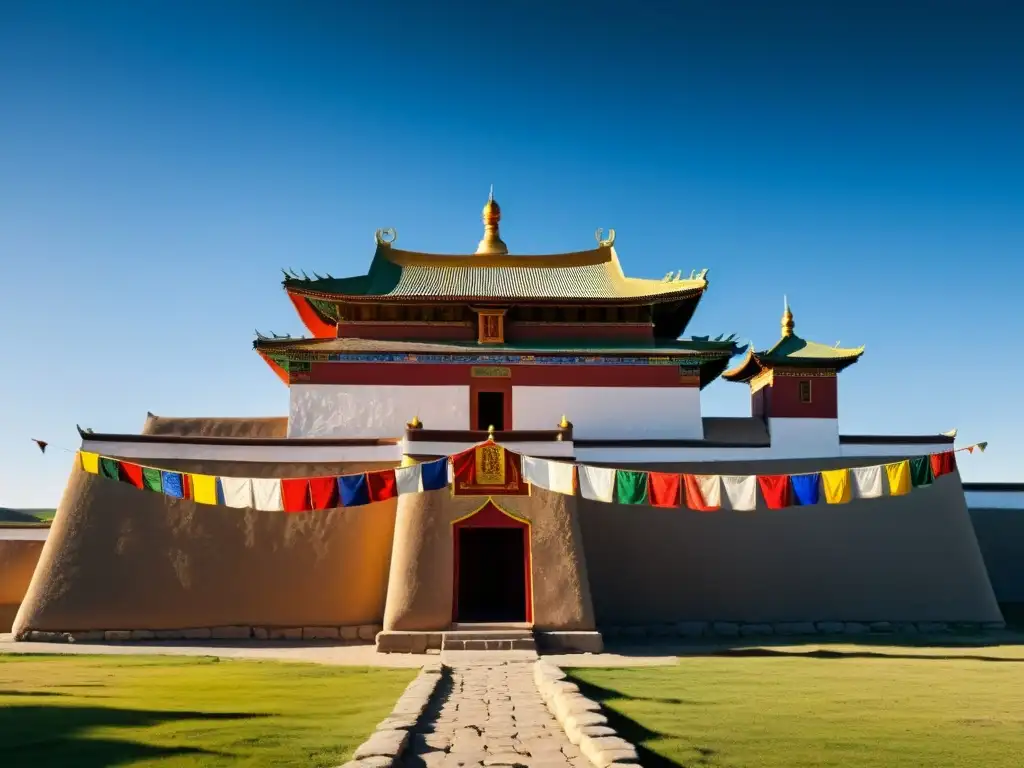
(630, 487)
(110, 468)
(921, 472)
(151, 479)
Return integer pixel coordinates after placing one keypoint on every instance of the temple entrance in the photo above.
(492, 568)
(490, 410)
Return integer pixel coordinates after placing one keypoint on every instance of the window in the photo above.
(805, 391)
(490, 410)
(492, 328)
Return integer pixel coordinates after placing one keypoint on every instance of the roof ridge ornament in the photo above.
(787, 319)
(602, 241)
(386, 236)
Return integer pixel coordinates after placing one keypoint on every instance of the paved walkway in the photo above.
(490, 713)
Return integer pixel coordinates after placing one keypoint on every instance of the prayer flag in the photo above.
(597, 483)
(172, 484)
(806, 488)
(295, 494)
(266, 494)
(151, 479)
(131, 474)
(920, 472)
(204, 488)
(237, 492)
(836, 483)
(323, 492)
(557, 476)
(665, 489)
(981, 446)
(382, 485)
(409, 479)
(434, 474)
(353, 490)
(41, 443)
(776, 490)
(943, 463)
(899, 477)
(703, 492)
(740, 492)
(630, 487)
(488, 469)
(867, 482)
(90, 462)
(109, 468)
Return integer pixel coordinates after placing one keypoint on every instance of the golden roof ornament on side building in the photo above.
(491, 242)
(787, 319)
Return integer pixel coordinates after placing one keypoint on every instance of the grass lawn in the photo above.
(92, 711)
(855, 707)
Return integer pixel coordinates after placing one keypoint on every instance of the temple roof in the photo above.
(792, 351)
(589, 276)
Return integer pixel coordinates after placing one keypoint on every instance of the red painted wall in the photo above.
(514, 333)
(423, 374)
(408, 332)
(781, 399)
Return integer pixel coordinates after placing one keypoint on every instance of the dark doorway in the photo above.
(492, 575)
(490, 410)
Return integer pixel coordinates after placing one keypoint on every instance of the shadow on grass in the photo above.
(638, 734)
(820, 653)
(41, 735)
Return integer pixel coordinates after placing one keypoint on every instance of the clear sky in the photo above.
(161, 161)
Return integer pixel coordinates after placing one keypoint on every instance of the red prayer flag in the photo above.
(664, 489)
(131, 474)
(323, 492)
(777, 490)
(382, 484)
(295, 494)
(943, 463)
(186, 485)
(694, 498)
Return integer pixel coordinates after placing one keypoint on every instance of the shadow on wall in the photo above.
(18, 559)
(42, 735)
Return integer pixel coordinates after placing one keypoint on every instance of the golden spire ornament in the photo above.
(787, 319)
(491, 243)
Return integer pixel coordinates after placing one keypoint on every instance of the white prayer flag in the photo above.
(553, 475)
(237, 491)
(867, 482)
(710, 489)
(597, 483)
(409, 479)
(740, 492)
(266, 493)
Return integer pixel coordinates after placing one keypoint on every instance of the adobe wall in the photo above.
(420, 590)
(119, 558)
(18, 560)
(1000, 535)
(908, 558)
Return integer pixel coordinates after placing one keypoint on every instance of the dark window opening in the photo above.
(490, 410)
(805, 391)
(492, 575)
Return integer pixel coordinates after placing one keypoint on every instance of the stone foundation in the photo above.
(363, 634)
(723, 629)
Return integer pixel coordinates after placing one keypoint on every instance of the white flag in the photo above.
(597, 483)
(409, 479)
(867, 482)
(266, 493)
(237, 491)
(553, 475)
(740, 492)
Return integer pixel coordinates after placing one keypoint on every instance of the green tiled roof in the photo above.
(587, 275)
(794, 352)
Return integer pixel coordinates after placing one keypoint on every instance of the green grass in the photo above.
(92, 711)
(844, 706)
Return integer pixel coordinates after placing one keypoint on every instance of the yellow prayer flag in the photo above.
(90, 462)
(204, 489)
(836, 483)
(899, 477)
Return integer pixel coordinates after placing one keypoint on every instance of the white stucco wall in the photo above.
(611, 412)
(803, 438)
(328, 410)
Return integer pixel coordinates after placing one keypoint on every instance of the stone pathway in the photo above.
(491, 713)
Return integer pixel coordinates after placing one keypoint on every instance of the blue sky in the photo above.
(161, 161)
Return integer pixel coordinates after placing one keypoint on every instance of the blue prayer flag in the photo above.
(353, 490)
(434, 474)
(172, 485)
(220, 492)
(806, 488)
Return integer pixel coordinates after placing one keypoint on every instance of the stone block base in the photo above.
(570, 642)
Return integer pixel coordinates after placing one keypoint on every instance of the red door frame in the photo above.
(491, 516)
(490, 385)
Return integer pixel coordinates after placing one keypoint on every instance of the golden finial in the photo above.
(415, 423)
(564, 423)
(490, 432)
(787, 319)
(491, 242)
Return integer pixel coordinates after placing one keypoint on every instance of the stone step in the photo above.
(458, 641)
(489, 634)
